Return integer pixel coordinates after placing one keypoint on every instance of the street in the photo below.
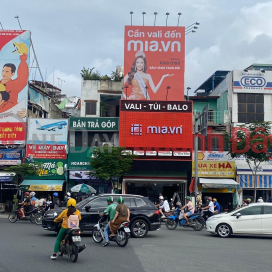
(28, 247)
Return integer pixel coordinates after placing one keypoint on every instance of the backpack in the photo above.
(73, 221)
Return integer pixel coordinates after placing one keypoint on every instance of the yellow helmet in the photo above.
(71, 202)
(20, 48)
(2, 87)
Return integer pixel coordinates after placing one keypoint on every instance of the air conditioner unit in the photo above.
(107, 144)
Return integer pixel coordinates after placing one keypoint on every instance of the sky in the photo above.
(69, 35)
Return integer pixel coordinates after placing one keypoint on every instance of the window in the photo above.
(128, 201)
(90, 107)
(99, 203)
(255, 210)
(250, 108)
(267, 209)
(139, 202)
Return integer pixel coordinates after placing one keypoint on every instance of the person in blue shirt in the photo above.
(216, 206)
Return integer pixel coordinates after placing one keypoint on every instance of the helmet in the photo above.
(27, 193)
(71, 202)
(56, 194)
(110, 199)
(188, 198)
(2, 87)
(32, 193)
(121, 200)
(20, 48)
(248, 199)
(215, 199)
(178, 204)
(161, 197)
(68, 194)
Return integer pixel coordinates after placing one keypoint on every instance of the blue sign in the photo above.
(10, 157)
(6, 179)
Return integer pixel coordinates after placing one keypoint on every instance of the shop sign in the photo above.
(93, 124)
(215, 169)
(181, 154)
(46, 151)
(79, 158)
(217, 156)
(10, 157)
(41, 187)
(151, 153)
(49, 169)
(164, 153)
(139, 153)
(86, 175)
(216, 190)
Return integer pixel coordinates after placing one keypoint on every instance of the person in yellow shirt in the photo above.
(71, 210)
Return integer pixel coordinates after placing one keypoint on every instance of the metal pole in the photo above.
(196, 154)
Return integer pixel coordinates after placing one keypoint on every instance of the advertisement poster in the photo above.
(150, 125)
(46, 151)
(47, 131)
(80, 158)
(14, 61)
(10, 157)
(216, 169)
(50, 169)
(154, 63)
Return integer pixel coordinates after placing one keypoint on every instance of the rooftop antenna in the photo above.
(17, 17)
(143, 17)
(131, 13)
(179, 17)
(155, 13)
(167, 13)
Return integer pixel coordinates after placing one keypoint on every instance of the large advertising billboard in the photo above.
(10, 157)
(157, 128)
(14, 60)
(253, 81)
(154, 63)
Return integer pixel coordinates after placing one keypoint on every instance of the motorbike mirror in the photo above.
(87, 208)
(238, 215)
(55, 214)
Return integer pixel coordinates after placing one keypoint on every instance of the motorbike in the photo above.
(121, 237)
(196, 221)
(18, 215)
(40, 215)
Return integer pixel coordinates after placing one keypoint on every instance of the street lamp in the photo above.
(143, 17)
(17, 17)
(167, 14)
(131, 16)
(155, 13)
(188, 89)
(193, 31)
(178, 17)
(167, 88)
(196, 23)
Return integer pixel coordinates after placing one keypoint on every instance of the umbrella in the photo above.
(83, 188)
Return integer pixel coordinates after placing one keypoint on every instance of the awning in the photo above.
(41, 185)
(218, 183)
(246, 181)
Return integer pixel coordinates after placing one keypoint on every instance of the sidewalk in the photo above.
(4, 215)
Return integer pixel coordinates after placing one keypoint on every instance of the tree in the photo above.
(110, 163)
(254, 142)
(115, 76)
(22, 170)
(88, 74)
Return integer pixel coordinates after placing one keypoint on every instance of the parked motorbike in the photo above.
(121, 237)
(196, 221)
(18, 215)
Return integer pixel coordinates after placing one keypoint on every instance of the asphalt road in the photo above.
(26, 247)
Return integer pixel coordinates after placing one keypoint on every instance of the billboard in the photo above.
(40, 151)
(217, 156)
(154, 63)
(47, 131)
(253, 81)
(10, 157)
(14, 60)
(157, 128)
(80, 158)
(215, 169)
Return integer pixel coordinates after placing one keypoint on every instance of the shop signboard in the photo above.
(49, 169)
(218, 190)
(86, 175)
(10, 157)
(6, 177)
(217, 156)
(41, 187)
(154, 63)
(252, 81)
(47, 131)
(79, 158)
(14, 58)
(94, 124)
(41, 151)
(218, 169)
(150, 126)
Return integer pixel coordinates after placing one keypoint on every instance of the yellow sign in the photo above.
(37, 188)
(216, 169)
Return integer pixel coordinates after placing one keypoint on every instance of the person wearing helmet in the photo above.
(67, 197)
(208, 210)
(191, 210)
(248, 201)
(27, 206)
(122, 214)
(217, 208)
(111, 210)
(260, 199)
(161, 205)
(56, 200)
(63, 217)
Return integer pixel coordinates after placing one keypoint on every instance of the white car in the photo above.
(252, 219)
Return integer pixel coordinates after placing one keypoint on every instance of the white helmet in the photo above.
(161, 197)
(68, 194)
(32, 194)
(178, 204)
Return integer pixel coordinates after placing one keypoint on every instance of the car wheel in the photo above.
(139, 228)
(224, 230)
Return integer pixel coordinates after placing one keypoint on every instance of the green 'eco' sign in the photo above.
(94, 123)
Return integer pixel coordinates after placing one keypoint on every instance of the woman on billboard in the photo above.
(138, 79)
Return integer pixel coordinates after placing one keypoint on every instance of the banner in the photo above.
(92, 123)
(215, 169)
(47, 131)
(14, 60)
(46, 151)
(10, 157)
(154, 63)
(80, 158)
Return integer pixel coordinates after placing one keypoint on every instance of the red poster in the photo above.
(154, 63)
(40, 151)
(12, 133)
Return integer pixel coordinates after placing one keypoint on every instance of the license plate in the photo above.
(76, 238)
(127, 229)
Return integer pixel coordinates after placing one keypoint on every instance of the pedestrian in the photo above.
(260, 200)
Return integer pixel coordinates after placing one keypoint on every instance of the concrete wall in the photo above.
(198, 106)
(39, 99)
(55, 112)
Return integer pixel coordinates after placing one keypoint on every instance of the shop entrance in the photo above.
(224, 199)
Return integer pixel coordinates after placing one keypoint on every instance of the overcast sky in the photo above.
(69, 35)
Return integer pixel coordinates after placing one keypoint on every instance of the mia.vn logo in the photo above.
(137, 129)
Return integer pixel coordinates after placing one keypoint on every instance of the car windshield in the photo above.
(85, 201)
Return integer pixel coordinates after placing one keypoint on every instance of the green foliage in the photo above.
(103, 107)
(88, 74)
(105, 77)
(110, 162)
(115, 76)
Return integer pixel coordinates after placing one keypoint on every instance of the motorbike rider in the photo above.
(56, 200)
(71, 210)
(217, 208)
(111, 210)
(67, 197)
(190, 207)
(122, 214)
(208, 210)
(248, 201)
(26, 205)
(161, 206)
